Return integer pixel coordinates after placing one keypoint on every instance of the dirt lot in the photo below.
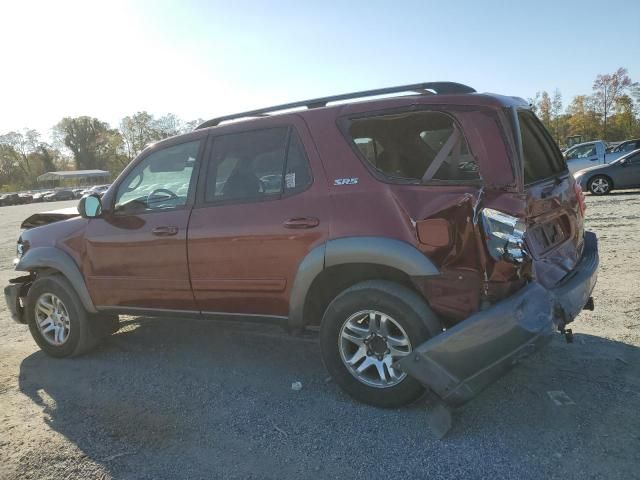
(173, 398)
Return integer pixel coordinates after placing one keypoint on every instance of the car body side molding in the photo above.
(54, 258)
(362, 250)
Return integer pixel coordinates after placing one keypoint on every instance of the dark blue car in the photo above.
(619, 174)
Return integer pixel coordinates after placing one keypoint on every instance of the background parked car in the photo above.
(59, 195)
(78, 192)
(621, 173)
(9, 199)
(39, 196)
(590, 154)
(626, 146)
(25, 198)
(97, 189)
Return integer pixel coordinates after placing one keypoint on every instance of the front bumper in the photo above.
(462, 361)
(14, 294)
(583, 181)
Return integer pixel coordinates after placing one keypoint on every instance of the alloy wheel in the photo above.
(599, 186)
(52, 319)
(370, 342)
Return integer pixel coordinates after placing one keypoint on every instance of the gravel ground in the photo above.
(173, 398)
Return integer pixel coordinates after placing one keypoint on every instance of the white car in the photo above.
(590, 154)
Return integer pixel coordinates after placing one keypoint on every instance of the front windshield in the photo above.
(581, 151)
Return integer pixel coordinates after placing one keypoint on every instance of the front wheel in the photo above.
(365, 330)
(600, 185)
(57, 320)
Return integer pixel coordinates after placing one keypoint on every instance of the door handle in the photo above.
(301, 222)
(165, 231)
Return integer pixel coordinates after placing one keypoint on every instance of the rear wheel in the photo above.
(365, 330)
(600, 185)
(57, 320)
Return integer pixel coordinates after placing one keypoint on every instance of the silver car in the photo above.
(621, 173)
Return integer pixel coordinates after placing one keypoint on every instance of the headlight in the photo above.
(504, 236)
(21, 248)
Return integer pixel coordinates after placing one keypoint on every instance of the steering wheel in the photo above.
(171, 196)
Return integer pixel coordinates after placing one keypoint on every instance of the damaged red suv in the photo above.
(435, 238)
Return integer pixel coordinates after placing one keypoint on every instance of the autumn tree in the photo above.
(583, 119)
(607, 89)
(556, 116)
(544, 109)
(624, 121)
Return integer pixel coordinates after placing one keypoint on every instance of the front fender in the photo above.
(54, 258)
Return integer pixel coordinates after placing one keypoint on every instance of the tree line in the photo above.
(81, 143)
(611, 112)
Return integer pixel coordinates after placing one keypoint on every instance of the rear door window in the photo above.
(256, 165)
(415, 146)
(542, 159)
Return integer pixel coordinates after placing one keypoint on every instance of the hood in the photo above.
(591, 169)
(43, 218)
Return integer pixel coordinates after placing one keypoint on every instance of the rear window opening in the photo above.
(420, 147)
(542, 158)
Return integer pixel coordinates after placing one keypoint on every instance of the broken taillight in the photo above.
(504, 236)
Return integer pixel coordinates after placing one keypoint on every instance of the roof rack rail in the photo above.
(440, 88)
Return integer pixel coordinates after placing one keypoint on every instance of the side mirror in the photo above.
(90, 206)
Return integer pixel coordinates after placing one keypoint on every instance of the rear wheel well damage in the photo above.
(333, 266)
(334, 280)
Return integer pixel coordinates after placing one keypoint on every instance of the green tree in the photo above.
(137, 132)
(10, 174)
(169, 125)
(192, 125)
(142, 129)
(92, 142)
(22, 144)
(607, 89)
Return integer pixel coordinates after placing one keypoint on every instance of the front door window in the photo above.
(160, 181)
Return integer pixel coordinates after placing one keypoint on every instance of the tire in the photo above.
(82, 334)
(600, 185)
(377, 302)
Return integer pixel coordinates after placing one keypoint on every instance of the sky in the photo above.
(201, 59)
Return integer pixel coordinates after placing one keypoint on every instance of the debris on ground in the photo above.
(560, 398)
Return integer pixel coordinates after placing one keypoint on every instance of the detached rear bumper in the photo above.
(461, 362)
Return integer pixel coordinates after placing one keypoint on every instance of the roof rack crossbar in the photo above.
(440, 88)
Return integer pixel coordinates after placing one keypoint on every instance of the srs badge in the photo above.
(345, 181)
